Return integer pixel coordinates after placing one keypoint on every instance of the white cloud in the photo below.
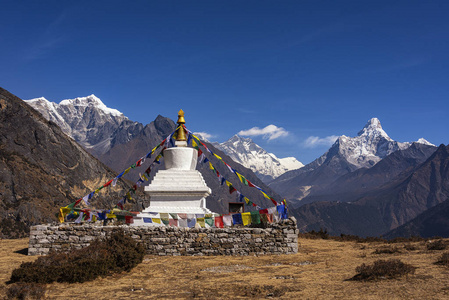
(270, 132)
(315, 141)
(204, 136)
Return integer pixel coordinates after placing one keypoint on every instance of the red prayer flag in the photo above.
(108, 183)
(250, 183)
(219, 222)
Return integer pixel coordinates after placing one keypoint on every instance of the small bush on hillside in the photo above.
(410, 247)
(443, 260)
(313, 235)
(114, 254)
(26, 291)
(436, 245)
(383, 269)
(387, 250)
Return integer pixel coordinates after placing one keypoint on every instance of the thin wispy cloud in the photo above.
(204, 136)
(315, 141)
(50, 39)
(412, 63)
(269, 132)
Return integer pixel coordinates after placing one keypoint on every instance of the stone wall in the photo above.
(278, 238)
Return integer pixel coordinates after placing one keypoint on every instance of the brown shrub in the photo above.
(387, 250)
(436, 245)
(114, 254)
(443, 260)
(383, 269)
(26, 291)
(410, 247)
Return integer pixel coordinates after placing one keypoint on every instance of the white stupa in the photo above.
(180, 188)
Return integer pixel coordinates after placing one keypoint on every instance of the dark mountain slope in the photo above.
(387, 207)
(41, 168)
(357, 184)
(432, 222)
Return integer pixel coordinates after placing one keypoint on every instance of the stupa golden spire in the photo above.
(180, 134)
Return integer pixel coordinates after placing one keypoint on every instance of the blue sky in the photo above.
(315, 69)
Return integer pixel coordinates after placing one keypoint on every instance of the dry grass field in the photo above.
(319, 271)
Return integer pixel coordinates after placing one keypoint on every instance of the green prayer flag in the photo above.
(255, 217)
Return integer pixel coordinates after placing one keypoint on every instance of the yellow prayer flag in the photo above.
(144, 177)
(127, 170)
(194, 144)
(265, 195)
(218, 156)
(228, 183)
(61, 216)
(246, 217)
(246, 200)
(156, 220)
(211, 166)
(201, 222)
(111, 216)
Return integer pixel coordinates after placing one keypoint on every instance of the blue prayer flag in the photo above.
(237, 219)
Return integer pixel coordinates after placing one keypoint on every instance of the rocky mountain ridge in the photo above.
(42, 169)
(346, 155)
(265, 165)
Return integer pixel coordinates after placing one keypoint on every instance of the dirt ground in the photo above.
(318, 271)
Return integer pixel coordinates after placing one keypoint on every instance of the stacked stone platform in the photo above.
(277, 238)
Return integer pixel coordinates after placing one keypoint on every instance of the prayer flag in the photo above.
(246, 218)
(201, 222)
(173, 222)
(191, 222)
(139, 163)
(264, 218)
(182, 222)
(147, 220)
(209, 221)
(114, 181)
(229, 167)
(242, 178)
(282, 211)
(227, 220)
(165, 218)
(237, 219)
(108, 183)
(156, 220)
(255, 217)
(219, 222)
(80, 218)
(86, 200)
(61, 216)
(195, 145)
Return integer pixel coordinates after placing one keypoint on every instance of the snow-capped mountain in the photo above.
(370, 145)
(346, 155)
(86, 119)
(266, 165)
